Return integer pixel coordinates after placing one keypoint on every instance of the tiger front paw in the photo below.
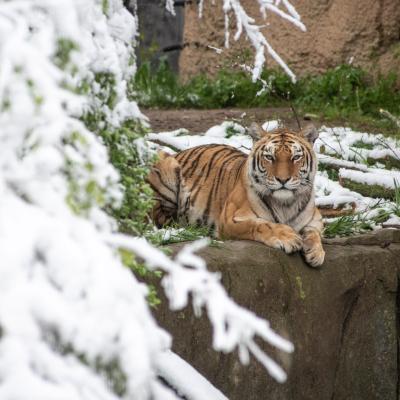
(314, 256)
(313, 251)
(285, 238)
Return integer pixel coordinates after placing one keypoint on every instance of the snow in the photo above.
(180, 139)
(333, 161)
(225, 129)
(269, 126)
(393, 221)
(341, 142)
(188, 382)
(387, 179)
(64, 294)
(331, 193)
(66, 271)
(168, 234)
(241, 142)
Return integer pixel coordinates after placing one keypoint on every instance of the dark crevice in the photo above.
(289, 320)
(348, 315)
(226, 281)
(173, 48)
(353, 295)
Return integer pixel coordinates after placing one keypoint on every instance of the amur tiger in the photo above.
(266, 196)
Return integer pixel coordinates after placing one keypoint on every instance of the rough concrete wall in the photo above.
(343, 320)
(368, 31)
(161, 33)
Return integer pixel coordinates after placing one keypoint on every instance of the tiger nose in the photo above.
(282, 181)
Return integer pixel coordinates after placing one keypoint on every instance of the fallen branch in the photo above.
(390, 116)
(342, 210)
(337, 164)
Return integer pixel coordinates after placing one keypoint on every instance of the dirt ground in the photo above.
(198, 121)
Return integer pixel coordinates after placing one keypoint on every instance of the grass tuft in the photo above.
(354, 224)
(175, 234)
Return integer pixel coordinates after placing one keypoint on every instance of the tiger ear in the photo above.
(162, 155)
(310, 133)
(255, 131)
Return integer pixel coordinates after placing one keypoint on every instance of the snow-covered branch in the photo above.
(253, 31)
(69, 309)
(169, 5)
(233, 326)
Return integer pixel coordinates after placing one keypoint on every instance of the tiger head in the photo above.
(282, 163)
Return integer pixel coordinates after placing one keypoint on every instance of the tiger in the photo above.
(266, 196)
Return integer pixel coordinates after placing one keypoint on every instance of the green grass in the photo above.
(362, 145)
(395, 208)
(375, 191)
(333, 173)
(348, 225)
(388, 162)
(354, 224)
(177, 234)
(345, 92)
(132, 214)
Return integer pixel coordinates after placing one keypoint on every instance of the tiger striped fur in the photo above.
(267, 196)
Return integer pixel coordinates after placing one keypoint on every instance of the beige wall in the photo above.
(337, 30)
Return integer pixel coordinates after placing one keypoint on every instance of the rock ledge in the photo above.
(342, 318)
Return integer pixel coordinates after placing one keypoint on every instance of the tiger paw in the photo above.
(286, 239)
(313, 251)
(314, 255)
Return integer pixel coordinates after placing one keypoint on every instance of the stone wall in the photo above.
(343, 320)
(161, 33)
(365, 31)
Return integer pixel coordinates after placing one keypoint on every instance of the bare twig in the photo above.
(295, 115)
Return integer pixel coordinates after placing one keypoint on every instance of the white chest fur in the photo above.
(283, 210)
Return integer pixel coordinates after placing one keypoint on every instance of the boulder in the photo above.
(343, 320)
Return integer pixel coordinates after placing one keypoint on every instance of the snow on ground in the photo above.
(381, 177)
(349, 145)
(333, 161)
(226, 133)
(331, 193)
(392, 221)
(342, 148)
(270, 125)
